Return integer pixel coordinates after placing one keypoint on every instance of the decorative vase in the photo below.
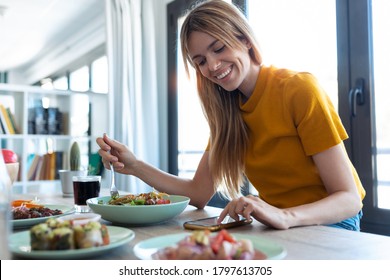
(12, 170)
(67, 182)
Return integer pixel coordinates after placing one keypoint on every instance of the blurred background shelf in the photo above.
(48, 122)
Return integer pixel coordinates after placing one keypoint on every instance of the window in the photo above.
(363, 102)
(90, 77)
(79, 79)
(61, 83)
(192, 126)
(99, 75)
(381, 47)
(299, 35)
(192, 133)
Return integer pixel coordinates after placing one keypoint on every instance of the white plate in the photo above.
(22, 223)
(20, 246)
(80, 218)
(145, 249)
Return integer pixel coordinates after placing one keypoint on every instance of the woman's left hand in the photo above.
(263, 212)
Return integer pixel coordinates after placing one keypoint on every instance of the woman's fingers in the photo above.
(241, 206)
(244, 207)
(105, 148)
(223, 214)
(248, 211)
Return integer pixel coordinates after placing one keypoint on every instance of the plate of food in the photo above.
(63, 240)
(142, 209)
(26, 213)
(207, 245)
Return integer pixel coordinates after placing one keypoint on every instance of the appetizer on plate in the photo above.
(151, 198)
(29, 203)
(29, 209)
(57, 235)
(202, 245)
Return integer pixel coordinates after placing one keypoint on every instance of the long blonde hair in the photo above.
(228, 132)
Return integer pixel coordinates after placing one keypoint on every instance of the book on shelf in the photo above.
(41, 120)
(50, 166)
(2, 130)
(54, 121)
(38, 171)
(19, 177)
(95, 164)
(33, 166)
(3, 123)
(45, 121)
(43, 174)
(5, 120)
(59, 163)
(13, 121)
(31, 121)
(45, 167)
(30, 158)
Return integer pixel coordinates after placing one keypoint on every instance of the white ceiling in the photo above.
(28, 26)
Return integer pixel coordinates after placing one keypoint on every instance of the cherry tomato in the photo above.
(163, 201)
(223, 235)
(9, 156)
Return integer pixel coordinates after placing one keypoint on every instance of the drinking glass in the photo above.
(85, 187)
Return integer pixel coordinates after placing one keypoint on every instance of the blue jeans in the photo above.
(352, 223)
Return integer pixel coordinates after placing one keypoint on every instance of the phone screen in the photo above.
(213, 225)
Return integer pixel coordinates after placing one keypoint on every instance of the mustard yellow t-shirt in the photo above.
(290, 118)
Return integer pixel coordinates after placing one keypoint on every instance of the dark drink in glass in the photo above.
(85, 187)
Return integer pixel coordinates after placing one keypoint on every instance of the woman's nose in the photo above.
(214, 64)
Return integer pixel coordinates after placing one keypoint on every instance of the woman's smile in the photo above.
(224, 74)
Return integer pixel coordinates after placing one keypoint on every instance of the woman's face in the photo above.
(229, 68)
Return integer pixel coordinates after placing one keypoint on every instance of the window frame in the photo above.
(356, 61)
(86, 60)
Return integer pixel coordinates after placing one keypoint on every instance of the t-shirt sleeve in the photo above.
(318, 123)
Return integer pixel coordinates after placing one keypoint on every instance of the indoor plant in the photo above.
(66, 175)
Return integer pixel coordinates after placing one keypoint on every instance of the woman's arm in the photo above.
(199, 189)
(343, 200)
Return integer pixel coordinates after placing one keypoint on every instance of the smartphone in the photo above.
(212, 225)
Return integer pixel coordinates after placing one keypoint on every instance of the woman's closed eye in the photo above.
(201, 62)
(219, 50)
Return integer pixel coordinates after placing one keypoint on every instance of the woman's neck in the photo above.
(248, 85)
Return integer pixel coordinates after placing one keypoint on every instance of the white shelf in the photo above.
(85, 116)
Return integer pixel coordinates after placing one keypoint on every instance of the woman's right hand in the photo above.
(117, 153)
(260, 210)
